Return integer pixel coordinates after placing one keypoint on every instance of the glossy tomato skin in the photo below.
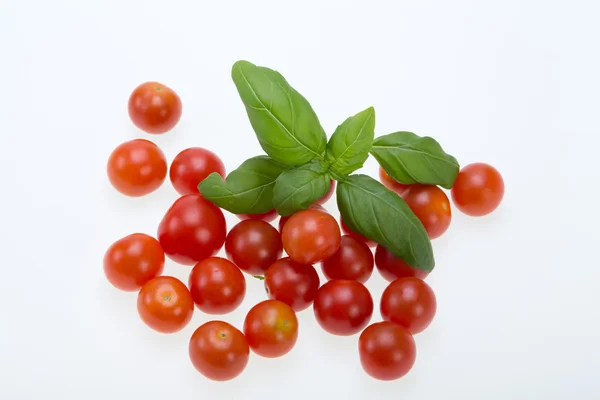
(253, 245)
(292, 283)
(478, 189)
(192, 230)
(267, 217)
(311, 236)
(136, 168)
(271, 328)
(165, 304)
(343, 307)
(348, 231)
(390, 183)
(387, 351)
(352, 261)
(154, 107)
(217, 286)
(191, 166)
(219, 351)
(431, 205)
(409, 302)
(327, 195)
(132, 261)
(391, 267)
(284, 219)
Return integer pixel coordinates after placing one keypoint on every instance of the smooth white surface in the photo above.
(513, 83)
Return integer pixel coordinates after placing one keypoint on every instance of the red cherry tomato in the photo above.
(271, 328)
(217, 286)
(478, 189)
(136, 168)
(310, 236)
(253, 246)
(165, 304)
(191, 166)
(132, 261)
(391, 267)
(192, 230)
(343, 307)
(390, 183)
(267, 217)
(431, 205)
(154, 107)
(348, 231)
(294, 284)
(327, 195)
(219, 351)
(283, 220)
(387, 351)
(409, 302)
(353, 261)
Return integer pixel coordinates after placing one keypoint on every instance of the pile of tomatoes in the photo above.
(193, 231)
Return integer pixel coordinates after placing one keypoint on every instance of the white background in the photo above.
(513, 83)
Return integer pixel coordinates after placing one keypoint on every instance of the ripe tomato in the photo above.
(478, 189)
(132, 261)
(165, 304)
(267, 217)
(154, 108)
(191, 166)
(431, 205)
(219, 351)
(283, 220)
(387, 351)
(391, 267)
(355, 235)
(217, 285)
(310, 236)
(352, 261)
(294, 284)
(390, 183)
(137, 167)
(192, 230)
(327, 195)
(271, 328)
(253, 246)
(343, 307)
(409, 302)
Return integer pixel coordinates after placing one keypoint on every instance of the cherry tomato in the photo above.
(219, 351)
(391, 183)
(132, 261)
(353, 261)
(217, 285)
(391, 267)
(431, 205)
(478, 189)
(192, 230)
(165, 304)
(387, 351)
(271, 328)
(310, 236)
(253, 246)
(409, 302)
(191, 166)
(136, 168)
(348, 231)
(343, 307)
(283, 220)
(267, 217)
(154, 108)
(294, 284)
(327, 195)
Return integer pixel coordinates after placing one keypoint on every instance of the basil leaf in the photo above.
(370, 209)
(247, 189)
(349, 146)
(409, 158)
(296, 189)
(284, 122)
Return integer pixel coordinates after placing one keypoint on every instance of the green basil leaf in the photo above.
(247, 189)
(349, 146)
(296, 189)
(285, 124)
(370, 209)
(409, 158)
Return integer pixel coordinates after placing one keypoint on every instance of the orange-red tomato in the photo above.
(217, 286)
(352, 261)
(271, 328)
(267, 217)
(391, 267)
(409, 302)
(132, 261)
(137, 167)
(390, 183)
(191, 166)
(283, 220)
(478, 189)
(348, 231)
(431, 205)
(253, 246)
(292, 283)
(310, 236)
(154, 107)
(165, 304)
